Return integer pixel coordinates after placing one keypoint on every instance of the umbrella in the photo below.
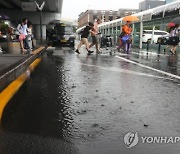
(171, 24)
(176, 20)
(130, 18)
(4, 17)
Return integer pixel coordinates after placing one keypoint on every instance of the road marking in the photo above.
(13, 87)
(149, 53)
(150, 68)
(123, 71)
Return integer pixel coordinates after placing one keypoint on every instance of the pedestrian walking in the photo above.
(173, 39)
(22, 29)
(94, 36)
(84, 37)
(30, 35)
(125, 37)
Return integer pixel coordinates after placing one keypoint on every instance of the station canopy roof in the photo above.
(29, 5)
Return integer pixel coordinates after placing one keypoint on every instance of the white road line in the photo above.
(123, 71)
(150, 68)
(149, 54)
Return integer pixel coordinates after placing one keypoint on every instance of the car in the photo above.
(147, 35)
(163, 40)
(64, 35)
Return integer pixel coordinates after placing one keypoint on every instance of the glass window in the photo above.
(110, 18)
(147, 32)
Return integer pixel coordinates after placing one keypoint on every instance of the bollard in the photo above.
(147, 47)
(13, 48)
(159, 47)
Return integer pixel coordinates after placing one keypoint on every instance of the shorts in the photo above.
(94, 39)
(173, 40)
(84, 40)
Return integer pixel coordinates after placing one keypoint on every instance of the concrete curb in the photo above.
(14, 71)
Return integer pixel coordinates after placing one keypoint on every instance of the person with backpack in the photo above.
(84, 38)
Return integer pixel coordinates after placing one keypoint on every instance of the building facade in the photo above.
(105, 15)
(125, 12)
(149, 4)
(91, 15)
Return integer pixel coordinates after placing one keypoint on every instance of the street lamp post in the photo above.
(41, 26)
(40, 8)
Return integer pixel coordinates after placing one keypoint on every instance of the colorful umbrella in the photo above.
(171, 24)
(130, 18)
(176, 20)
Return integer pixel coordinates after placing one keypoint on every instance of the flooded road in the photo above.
(86, 105)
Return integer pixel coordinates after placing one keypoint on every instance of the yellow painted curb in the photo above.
(16, 44)
(38, 50)
(10, 91)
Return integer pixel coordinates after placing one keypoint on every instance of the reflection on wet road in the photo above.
(86, 104)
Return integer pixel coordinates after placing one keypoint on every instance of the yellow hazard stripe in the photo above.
(37, 50)
(9, 92)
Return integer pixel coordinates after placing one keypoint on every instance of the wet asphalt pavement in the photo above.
(86, 104)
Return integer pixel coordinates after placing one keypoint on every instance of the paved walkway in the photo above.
(9, 60)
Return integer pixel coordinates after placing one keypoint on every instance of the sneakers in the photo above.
(172, 52)
(89, 51)
(77, 51)
(98, 52)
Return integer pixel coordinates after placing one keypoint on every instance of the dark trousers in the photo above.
(26, 44)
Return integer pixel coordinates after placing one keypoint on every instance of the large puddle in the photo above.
(93, 108)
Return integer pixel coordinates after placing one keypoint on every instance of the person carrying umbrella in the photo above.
(174, 38)
(125, 38)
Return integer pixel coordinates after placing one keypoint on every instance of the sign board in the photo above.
(28, 6)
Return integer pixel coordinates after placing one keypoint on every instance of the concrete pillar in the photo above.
(116, 32)
(141, 33)
(37, 29)
(152, 36)
(108, 29)
(133, 33)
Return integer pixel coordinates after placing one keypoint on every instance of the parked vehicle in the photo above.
(163, 40)
(147, 35)
(64, 35)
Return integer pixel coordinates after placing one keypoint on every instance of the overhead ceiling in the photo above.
(50, 5)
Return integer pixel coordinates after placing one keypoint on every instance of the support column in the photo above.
(133, 33)
(38, 33)
(116, 32)
(141, 33)
(152, 34)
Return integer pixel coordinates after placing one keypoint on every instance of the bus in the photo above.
(63, 35)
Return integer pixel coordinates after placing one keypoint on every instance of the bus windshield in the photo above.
(63, 29)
